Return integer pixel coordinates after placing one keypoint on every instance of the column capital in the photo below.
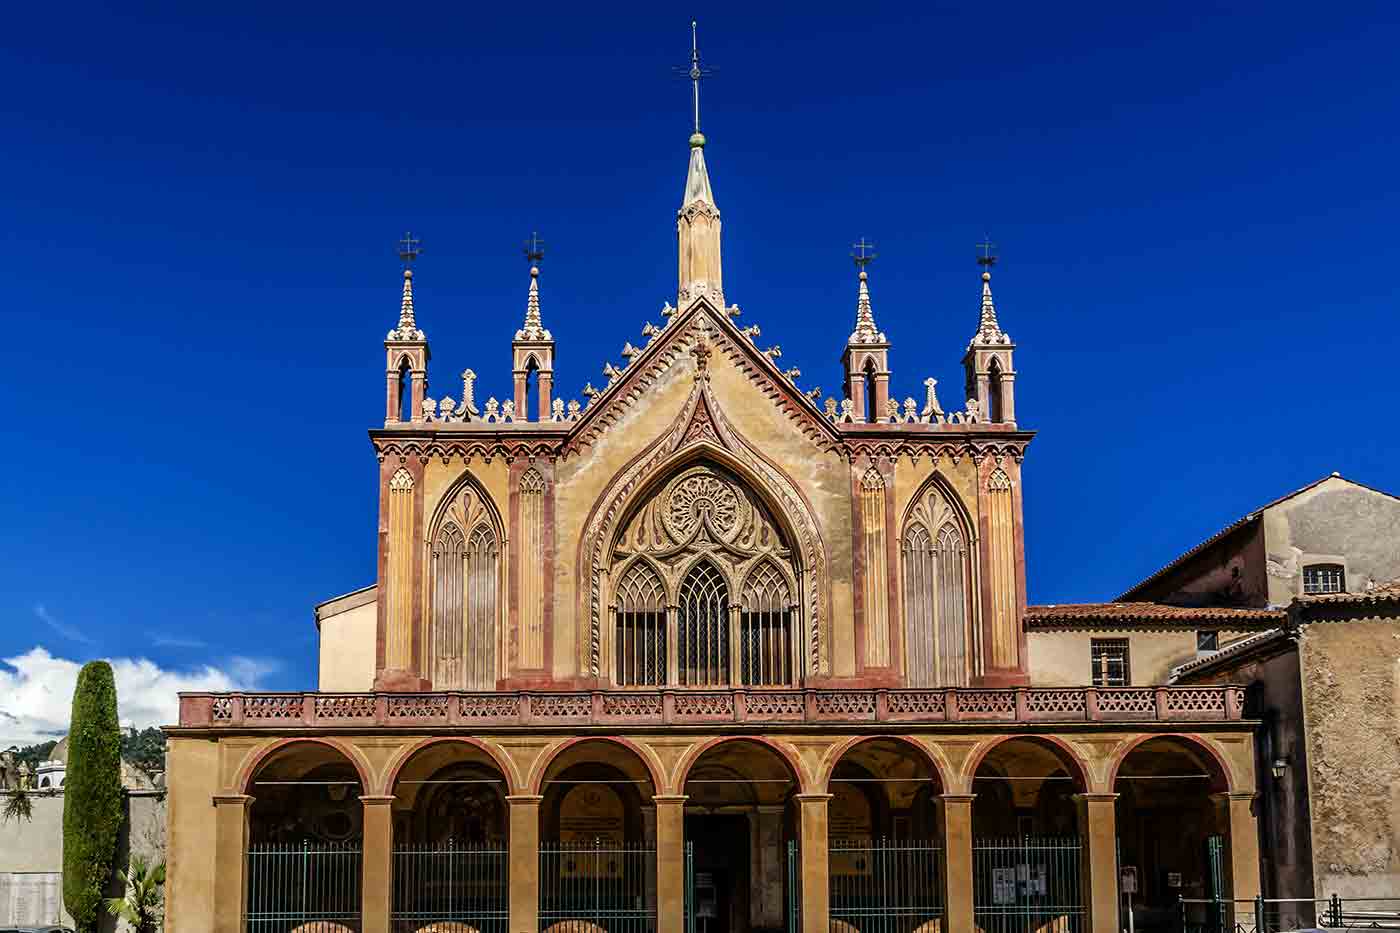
(1096, 798)
(669, 799)
(232, 800)
(377, 800)
(1229, 796)
(812, 798)
(957, 798)
(524, 800)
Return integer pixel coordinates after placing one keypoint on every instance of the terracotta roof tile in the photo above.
(1384, 592)
(1121, 613)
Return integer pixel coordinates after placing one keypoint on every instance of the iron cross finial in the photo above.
(409, 248)
(695, 72)
(534, 249)
(988, 248)
(863, 253)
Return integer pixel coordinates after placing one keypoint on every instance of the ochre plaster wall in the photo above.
(193, 777)
(1060, 658)
(1351, 685)
(347, 649)
(1336, 519)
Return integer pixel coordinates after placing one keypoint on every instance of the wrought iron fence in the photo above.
(451, 883)
(310, 887)
(1029, 884)
(794, 888)
(1278, 914)
(884, 886)
(586, 888)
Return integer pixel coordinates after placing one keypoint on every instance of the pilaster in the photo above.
(230, 862)
(524, 868)
(1242, 834)
(816, 867)
(956, 817)
(670, 863)
(377, 864)
(1098, 827)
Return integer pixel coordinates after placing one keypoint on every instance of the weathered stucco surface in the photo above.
(1060, 658)
(1351, 691)
(1334, 521)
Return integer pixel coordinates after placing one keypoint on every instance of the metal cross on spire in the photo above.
(534, 249)
(988, 257)
(863, 253)
(695, 72)
(409, 248)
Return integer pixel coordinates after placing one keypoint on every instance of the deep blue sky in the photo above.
(1196, 211)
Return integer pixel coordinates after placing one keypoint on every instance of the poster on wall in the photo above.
(30, 898)
(1003, 886)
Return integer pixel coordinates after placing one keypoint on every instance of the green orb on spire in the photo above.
(697, 140)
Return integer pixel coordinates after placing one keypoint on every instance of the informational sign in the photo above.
(1032, 879)
(1003, 885)
(1173, 879)
(30, 898)
(1128, 880)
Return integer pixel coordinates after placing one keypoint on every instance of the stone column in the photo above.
(230, 863)
(880, 404)
(1098, 828)
(670, 863)
(378, 864)
(524, 862)
(1242, 834)
(816, 883)
(955, 812)
(546, 389)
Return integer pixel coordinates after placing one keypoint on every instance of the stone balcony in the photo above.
(535, 709)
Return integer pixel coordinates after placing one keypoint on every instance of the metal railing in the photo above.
(794, 887)
(1028, 884)
(307, 887)
(590, 888)
(1278, 914)
(450, 883)
(885, 886)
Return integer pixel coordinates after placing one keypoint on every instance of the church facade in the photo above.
(703, 651)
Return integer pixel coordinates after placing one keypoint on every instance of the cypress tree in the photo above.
(92, 794)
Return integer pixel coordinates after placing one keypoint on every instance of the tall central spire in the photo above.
(697, 222)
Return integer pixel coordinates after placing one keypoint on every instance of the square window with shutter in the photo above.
(1109, 662)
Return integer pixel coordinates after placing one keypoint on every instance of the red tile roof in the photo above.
(1383, 593)
(1128, 613)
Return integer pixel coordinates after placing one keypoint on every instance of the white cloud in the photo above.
(36, 691)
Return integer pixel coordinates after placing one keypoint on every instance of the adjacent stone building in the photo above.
(707, 647)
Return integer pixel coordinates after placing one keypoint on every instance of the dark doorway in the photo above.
(723, 878)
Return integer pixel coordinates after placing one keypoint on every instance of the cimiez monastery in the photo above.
(710, 654)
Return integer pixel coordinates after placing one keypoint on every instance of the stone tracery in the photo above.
(705, 546)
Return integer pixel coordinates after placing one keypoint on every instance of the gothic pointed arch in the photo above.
(463, 620)
(940, 635)
(700, 489)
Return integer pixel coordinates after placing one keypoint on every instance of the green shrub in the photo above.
(92, 794)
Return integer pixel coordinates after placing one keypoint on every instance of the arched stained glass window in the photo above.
(765, 628)
(703, 626)
(640, 639)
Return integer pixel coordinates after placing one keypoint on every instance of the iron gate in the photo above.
(794, 889)
(452, 883)
(1031, 884)
(885, 886)
(312, 887)
(604, 886)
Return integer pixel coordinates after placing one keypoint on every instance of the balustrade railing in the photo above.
(712, 705)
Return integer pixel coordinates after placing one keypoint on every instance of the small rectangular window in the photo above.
(1324, 578)
(1207, 641)
(1109, 661)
